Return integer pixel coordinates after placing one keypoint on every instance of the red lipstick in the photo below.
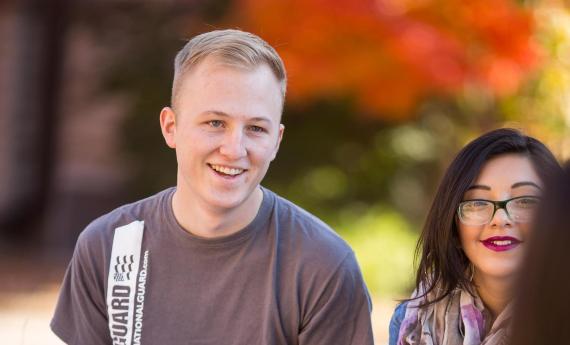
(501, 243)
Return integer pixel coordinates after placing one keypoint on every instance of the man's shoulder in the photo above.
(305, 231)
(102, 228)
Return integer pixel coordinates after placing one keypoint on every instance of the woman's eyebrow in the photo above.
(525, 183)
(479, 186)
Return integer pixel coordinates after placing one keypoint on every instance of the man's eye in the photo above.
(216, 123)
(257, 129)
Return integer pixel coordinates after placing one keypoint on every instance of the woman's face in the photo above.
(496, 247)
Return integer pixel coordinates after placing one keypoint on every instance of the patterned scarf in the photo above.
(457, 319)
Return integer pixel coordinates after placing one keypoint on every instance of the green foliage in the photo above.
(332, 159)
(384, 243)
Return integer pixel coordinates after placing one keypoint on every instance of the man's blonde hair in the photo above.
(231, 47)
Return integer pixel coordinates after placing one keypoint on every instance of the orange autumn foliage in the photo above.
(390, 54)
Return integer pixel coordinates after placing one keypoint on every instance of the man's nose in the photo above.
(233, 144)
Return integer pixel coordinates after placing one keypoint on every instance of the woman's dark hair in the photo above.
(541, 302)
(442, 262)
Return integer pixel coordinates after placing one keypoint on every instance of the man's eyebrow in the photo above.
(260, 119)
(479, 186)
(525, 183)
(215, 112)
(224, 114)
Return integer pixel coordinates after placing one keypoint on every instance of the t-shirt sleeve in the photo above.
(396, 322)
(341, 314)
(81, 314)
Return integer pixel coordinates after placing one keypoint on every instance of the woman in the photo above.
(542, 303)
(472, 242)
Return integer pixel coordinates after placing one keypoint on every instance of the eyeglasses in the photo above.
(480, 212)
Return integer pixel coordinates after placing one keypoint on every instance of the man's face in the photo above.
(226, 131)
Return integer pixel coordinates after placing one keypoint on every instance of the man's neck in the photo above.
(204, 221)
(496, 293)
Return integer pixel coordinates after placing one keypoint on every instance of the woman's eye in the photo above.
(527, 202)
(477, 204)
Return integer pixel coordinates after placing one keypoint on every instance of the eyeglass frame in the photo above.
(497, 205)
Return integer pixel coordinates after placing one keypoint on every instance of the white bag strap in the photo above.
(122, 279)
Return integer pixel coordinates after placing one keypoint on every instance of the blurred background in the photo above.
(382, 94)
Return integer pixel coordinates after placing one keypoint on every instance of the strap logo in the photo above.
(123, 267)
(122, 282)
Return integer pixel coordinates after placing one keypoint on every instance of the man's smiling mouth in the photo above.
(229, 171)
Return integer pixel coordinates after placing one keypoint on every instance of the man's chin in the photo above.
(227, 202)
(232, 200)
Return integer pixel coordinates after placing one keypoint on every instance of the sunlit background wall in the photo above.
(382, 94)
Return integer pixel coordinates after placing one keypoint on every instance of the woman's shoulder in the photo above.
(396, 322)
(400, 310)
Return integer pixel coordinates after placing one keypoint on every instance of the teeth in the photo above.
(227, 170)
(502, 243)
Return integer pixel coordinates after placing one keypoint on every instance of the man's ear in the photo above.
(168, 126)
(279, 138)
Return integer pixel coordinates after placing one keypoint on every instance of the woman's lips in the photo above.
(500, 243)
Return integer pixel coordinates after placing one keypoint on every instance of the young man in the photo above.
(218, 259)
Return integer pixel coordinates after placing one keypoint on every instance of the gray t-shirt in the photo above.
(286, 278)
